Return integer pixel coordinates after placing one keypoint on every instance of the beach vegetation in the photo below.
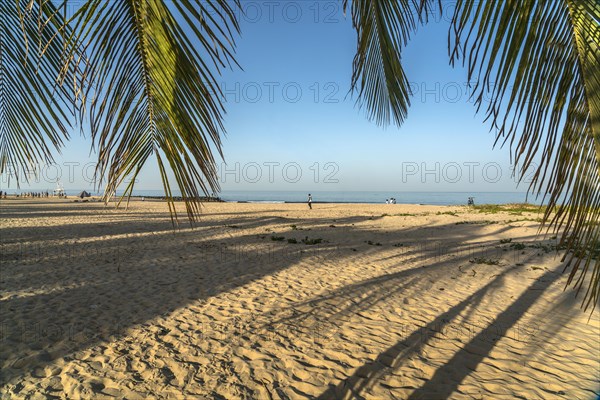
(483, 260)
(518, 246)
(311, 242)
(513, 209)
(484, 222)
(511, 221)
(453, 213)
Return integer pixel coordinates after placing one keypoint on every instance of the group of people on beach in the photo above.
(36, 194)
(27, 194)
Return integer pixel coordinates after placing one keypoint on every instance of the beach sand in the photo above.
(393, 301)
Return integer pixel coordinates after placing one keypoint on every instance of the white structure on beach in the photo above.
(59, 191)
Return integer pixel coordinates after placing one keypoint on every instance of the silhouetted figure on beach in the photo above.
(309, 201)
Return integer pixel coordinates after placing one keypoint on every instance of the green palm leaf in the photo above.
(383, 28)
(538, 63)
(154, 65)
(34, 104)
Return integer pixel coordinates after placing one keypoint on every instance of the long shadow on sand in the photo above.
(448, 377)
(72, 299)
(66, 303)
(121, 222)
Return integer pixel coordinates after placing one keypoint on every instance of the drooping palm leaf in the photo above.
(34, 104)
(383, 28)
(151, 88)
(538, 63)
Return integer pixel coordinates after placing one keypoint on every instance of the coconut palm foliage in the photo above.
(35, 110)
(146, 79)
(539, 62)
(536, 65)
(151, 68)
(383, 27)
(143, 71)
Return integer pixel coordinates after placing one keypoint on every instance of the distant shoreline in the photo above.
(286, 197)
(206, 199)
(178, 199)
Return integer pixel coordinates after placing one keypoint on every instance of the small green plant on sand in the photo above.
(485, 222)
(453, 213)
(482, 260)
(311, 242)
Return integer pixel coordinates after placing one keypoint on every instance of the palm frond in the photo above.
(383, 28)
(154, 64)
(35, 107)
(537, 64)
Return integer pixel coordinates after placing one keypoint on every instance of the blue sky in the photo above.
(291, 124)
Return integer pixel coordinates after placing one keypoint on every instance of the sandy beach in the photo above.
(273, 301)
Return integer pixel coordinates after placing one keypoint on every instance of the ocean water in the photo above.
(374, 197)
(371, 197)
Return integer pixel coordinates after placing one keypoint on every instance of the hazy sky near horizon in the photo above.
(292, 125)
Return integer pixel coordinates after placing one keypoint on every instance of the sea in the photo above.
(377, 197)
(369, 197)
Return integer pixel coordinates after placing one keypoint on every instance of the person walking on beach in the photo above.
(309, 201)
